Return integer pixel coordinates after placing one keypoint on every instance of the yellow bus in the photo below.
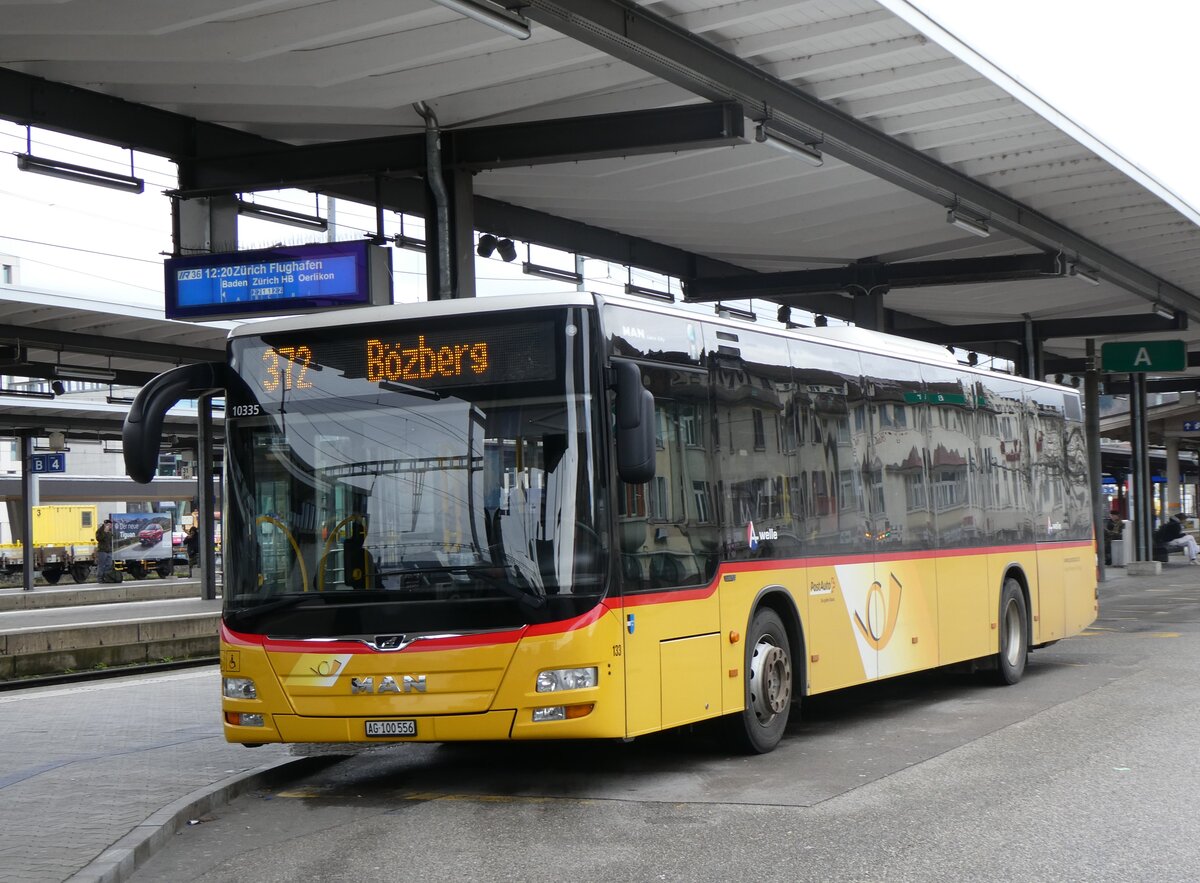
(577, 516)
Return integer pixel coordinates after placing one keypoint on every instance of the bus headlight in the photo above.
(567, 679)
(239, 688)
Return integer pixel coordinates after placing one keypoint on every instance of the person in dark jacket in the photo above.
(105, 572)
(1170, 534)
(191, 546)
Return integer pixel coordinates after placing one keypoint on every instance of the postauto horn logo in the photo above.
(881, 613)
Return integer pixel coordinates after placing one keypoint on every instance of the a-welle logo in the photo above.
(882, 613)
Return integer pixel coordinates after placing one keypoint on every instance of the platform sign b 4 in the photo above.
(52, 463)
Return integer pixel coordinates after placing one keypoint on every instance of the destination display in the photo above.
(283, 280)
(409, 356)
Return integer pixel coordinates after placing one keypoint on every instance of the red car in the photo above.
(151, 536)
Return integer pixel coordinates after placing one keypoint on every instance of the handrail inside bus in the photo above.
(141, 436)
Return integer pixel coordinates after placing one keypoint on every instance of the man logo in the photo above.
(387, 684)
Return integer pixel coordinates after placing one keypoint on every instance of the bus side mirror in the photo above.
(141, 436)
(635, 425)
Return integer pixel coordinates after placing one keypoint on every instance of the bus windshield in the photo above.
(440, 477)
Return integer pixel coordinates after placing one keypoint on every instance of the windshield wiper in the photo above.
(396, 386)
(534, 597)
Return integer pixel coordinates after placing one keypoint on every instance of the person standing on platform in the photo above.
(1114, 526)
(191, 545)
(1171, 535)
(104, 549)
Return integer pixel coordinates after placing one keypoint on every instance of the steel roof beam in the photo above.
(1047, 329)
(865, 276)
(33, 101)
(63, 341)
(635, 34)
(573, 139)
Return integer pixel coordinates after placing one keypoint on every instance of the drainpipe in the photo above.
(437, 185)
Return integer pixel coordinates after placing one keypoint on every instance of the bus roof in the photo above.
(847, 337)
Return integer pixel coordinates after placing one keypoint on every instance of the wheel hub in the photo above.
(770, 680)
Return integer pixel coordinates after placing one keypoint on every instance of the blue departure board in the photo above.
(283, 280)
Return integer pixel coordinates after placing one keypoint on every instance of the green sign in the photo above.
(1142, 356)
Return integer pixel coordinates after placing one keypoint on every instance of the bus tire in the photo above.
(758, 728)
(1014, 634)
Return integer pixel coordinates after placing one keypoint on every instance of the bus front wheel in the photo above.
(758, 728)
(1014, 632)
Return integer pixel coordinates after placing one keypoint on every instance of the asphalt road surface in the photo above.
(1085, 771)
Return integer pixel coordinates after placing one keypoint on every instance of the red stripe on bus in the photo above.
(618, 603)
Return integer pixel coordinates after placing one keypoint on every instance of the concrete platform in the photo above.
(98, 593)
(96, 777)
(56, 640)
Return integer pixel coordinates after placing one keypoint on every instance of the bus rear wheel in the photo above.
(758, 728)
(1014, 634)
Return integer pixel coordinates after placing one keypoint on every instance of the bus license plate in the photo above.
(392, 728)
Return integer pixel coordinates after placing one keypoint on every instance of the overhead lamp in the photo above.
(784, 316)
(974, 226)
(727, 312)
(282, 216)
(408, 242)
(493, 16)
(799, 149)
(72, 372)
(552, 273)
(56, 388)
(821, 321)
(644, 291)
(1084, 274)
(1161, 309)
(972, 359)
(82, 174)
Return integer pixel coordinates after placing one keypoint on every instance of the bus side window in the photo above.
(667, 525)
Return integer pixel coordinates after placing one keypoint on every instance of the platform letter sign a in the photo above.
(1143, 356)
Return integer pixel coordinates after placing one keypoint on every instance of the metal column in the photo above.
(1140, 470)
(27, 492)
(204, 498)
(1091, 415)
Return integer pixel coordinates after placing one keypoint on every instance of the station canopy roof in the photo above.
(906, 129)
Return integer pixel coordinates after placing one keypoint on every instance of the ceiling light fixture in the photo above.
(1084, 274)
(82, 174)
(1161, 309)
(552, 273)
(73, 372)
(727, 312)
(493, 16)
(656, 293)
(974, 226)
(408, 242)
(799, 149)
(282, 216)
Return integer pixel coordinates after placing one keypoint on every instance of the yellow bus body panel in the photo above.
(668, 658)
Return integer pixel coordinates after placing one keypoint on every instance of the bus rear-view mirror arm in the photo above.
(141, 436)
(635, 425)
